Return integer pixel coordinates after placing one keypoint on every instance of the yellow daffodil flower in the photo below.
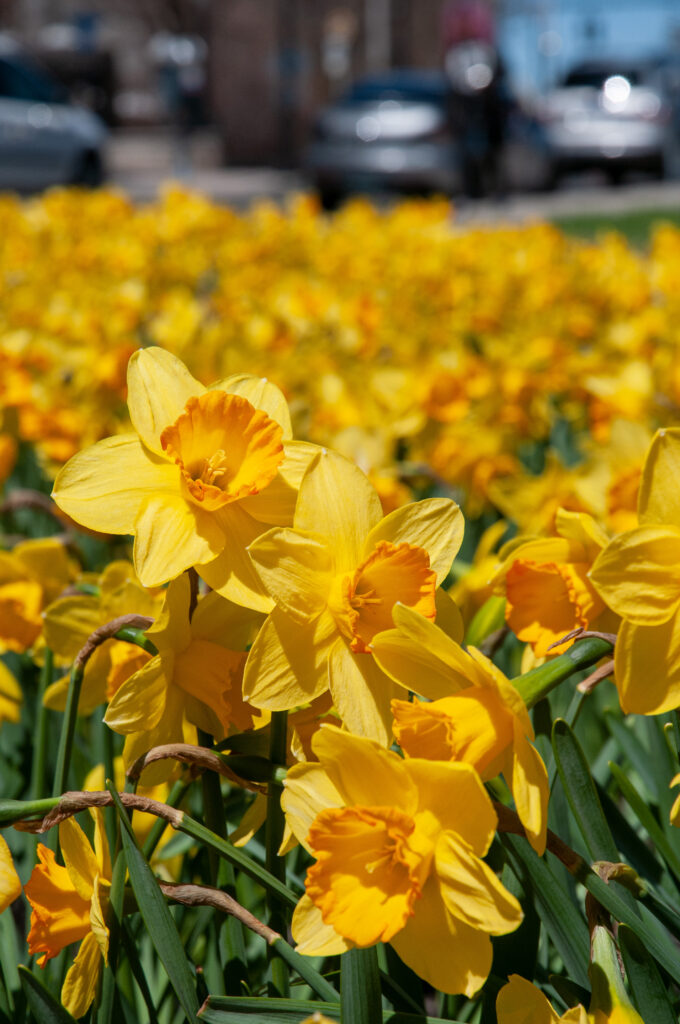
(478, 717)
(547, 586)
(520, 1002)
(10, 886)
(69, 621)
(195, 676)
(69, 904)
(31, 576)
(397, 847)
(638, 575)
(207, 471)
(335, 578)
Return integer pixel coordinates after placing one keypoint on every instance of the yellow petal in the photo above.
(172, 535)
(98, 908)
(81, 982)
(455, 795)
(307, 790)
(68, 623)
(225, 623)
(338, 503)
(434, 524)
(449, 617)
(582, 528)
(295, 569)
(659, 500)
(363, 772)
(11, 696)
(275, 505)
(232, 574)
(638, 574)
(79, 857)
(140, 702)
(288, 662)
(252, 820)
(262, 394)
(105, 486)
(470, 889)
(313, 937)
(171, 631)
(101, 842)
(530, 789)
(159, 385)
(647, 667)
(361, 692)
(441, 950)
(413, 665)
(10, 886)
(520, 1002)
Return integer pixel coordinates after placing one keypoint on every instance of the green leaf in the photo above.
(42, 1003)
(649, 991)
(581, 793)
(360, 999)
(535, 684)
(632, 749)
(646, 818)
(304, 968)
(563, 922)
(235, 1010)
(157, 918)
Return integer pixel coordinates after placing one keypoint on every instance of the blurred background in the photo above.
(470, 97)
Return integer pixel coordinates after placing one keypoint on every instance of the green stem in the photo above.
(276, 865)
(40, 745)
(360, 1001)
(533, 686)
(68, 729)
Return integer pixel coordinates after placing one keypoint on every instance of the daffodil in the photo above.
(335, 578)
(520, 1002)
(206, 472)
(31, 576)
(397, 847)
(10, 886)
(10, 696)
(69, 904)
(478, 717)
(638, 575)
(70, 620)
(195, 677)
(547, 586)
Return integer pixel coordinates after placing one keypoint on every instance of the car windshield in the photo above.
(596, 77)
(377, 90)
(21, 80)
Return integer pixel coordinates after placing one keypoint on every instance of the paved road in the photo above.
(140, 163)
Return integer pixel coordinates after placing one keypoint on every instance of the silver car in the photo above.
(44, 139)
(610, 116)
(389, 131)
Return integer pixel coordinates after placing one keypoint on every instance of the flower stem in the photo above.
(40, 745)
(278, 749)
(536, 684)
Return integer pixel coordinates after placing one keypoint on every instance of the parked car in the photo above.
(609, 115)
(44, 139)
(390, 131)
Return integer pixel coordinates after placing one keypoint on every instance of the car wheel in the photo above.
(89, 172)
(330, 198)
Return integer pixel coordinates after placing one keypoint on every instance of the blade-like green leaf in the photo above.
(646, 818)
(632, 749)
(157, 918)
(42, 1003)
(581, 793)
(360, 1000)
(649, 992)
(563, 922)
(235, 1010)
(304, 968)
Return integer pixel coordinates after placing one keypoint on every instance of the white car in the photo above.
(610, 116)
(44, 139)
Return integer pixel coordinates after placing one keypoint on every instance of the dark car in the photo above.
(390, 131)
